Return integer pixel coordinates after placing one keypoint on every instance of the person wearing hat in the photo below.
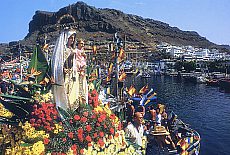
(163, 138)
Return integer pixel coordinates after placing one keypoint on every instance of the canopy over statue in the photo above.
(68, 70)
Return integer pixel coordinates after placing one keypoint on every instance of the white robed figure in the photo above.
(68, 71)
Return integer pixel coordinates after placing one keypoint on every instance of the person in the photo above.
(68, 76)
(164, 118)
(163, 138)
(158, 117)
(129, 111)
(153, 113)
(3, 86)
(135, 129)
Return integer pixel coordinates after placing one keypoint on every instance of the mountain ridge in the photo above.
(101, 23)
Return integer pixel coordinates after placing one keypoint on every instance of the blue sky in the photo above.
(210, 18)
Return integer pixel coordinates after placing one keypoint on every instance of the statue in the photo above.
(68, 71)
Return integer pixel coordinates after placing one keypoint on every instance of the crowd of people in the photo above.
(157, 126)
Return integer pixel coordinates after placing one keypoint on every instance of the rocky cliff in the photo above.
(101, 24)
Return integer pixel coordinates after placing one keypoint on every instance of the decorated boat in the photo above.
(172, 136)
(178, 139)
(57, 109)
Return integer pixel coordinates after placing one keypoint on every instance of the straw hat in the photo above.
(160, 130)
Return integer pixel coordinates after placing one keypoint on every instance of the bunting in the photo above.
(110, 68)
(122, 77)
(132, 90)
(121, 55)
(143, 89)
(94, 49)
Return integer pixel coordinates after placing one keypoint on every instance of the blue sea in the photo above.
(204, 108)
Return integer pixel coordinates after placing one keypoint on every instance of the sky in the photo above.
(210, 18)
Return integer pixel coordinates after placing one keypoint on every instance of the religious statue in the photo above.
(68, 70)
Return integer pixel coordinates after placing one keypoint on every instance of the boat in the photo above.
(225, 84)
(186, 139)
(212, 82)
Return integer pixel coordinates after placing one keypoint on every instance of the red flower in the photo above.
(82, 151)
(100, 119)
(64, 140)
(83, 119)
(95, 135)
(80, 131)
(74, 148)
(120, 126)
(77, 117)
(70, 134)
(86, 113)
(89, 144)
(80, 137)
(46, 141)
(112, 116)
(88, 128)
(103, 117)
(88, 138)
(101, 134)
(93, 116)
(101, 143)
(112, 130)
(32, 120)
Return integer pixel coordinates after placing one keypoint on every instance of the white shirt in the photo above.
(132, 132)
(158, 119)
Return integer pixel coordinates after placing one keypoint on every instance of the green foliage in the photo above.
(178, 65)
(189, 66)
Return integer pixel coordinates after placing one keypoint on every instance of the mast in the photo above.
(20, 60)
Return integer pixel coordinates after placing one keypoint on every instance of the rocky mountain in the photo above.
(101, 24)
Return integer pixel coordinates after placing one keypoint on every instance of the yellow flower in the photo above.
(4, 112)
(38, 147)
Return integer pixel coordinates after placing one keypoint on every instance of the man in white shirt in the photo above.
(135, 129)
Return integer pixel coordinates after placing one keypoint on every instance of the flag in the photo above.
(122, 76)
(131, 90)
(108, 78)
(113, 55)
(143, 89)
(38, 65)
(94, 49)
(121, 55)
(110, 68)
(111, 47)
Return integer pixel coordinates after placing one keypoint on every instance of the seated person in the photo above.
(163, 138)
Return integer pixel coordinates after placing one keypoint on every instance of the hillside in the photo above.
(101, 24)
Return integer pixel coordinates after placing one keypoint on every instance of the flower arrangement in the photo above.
(91, 129)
